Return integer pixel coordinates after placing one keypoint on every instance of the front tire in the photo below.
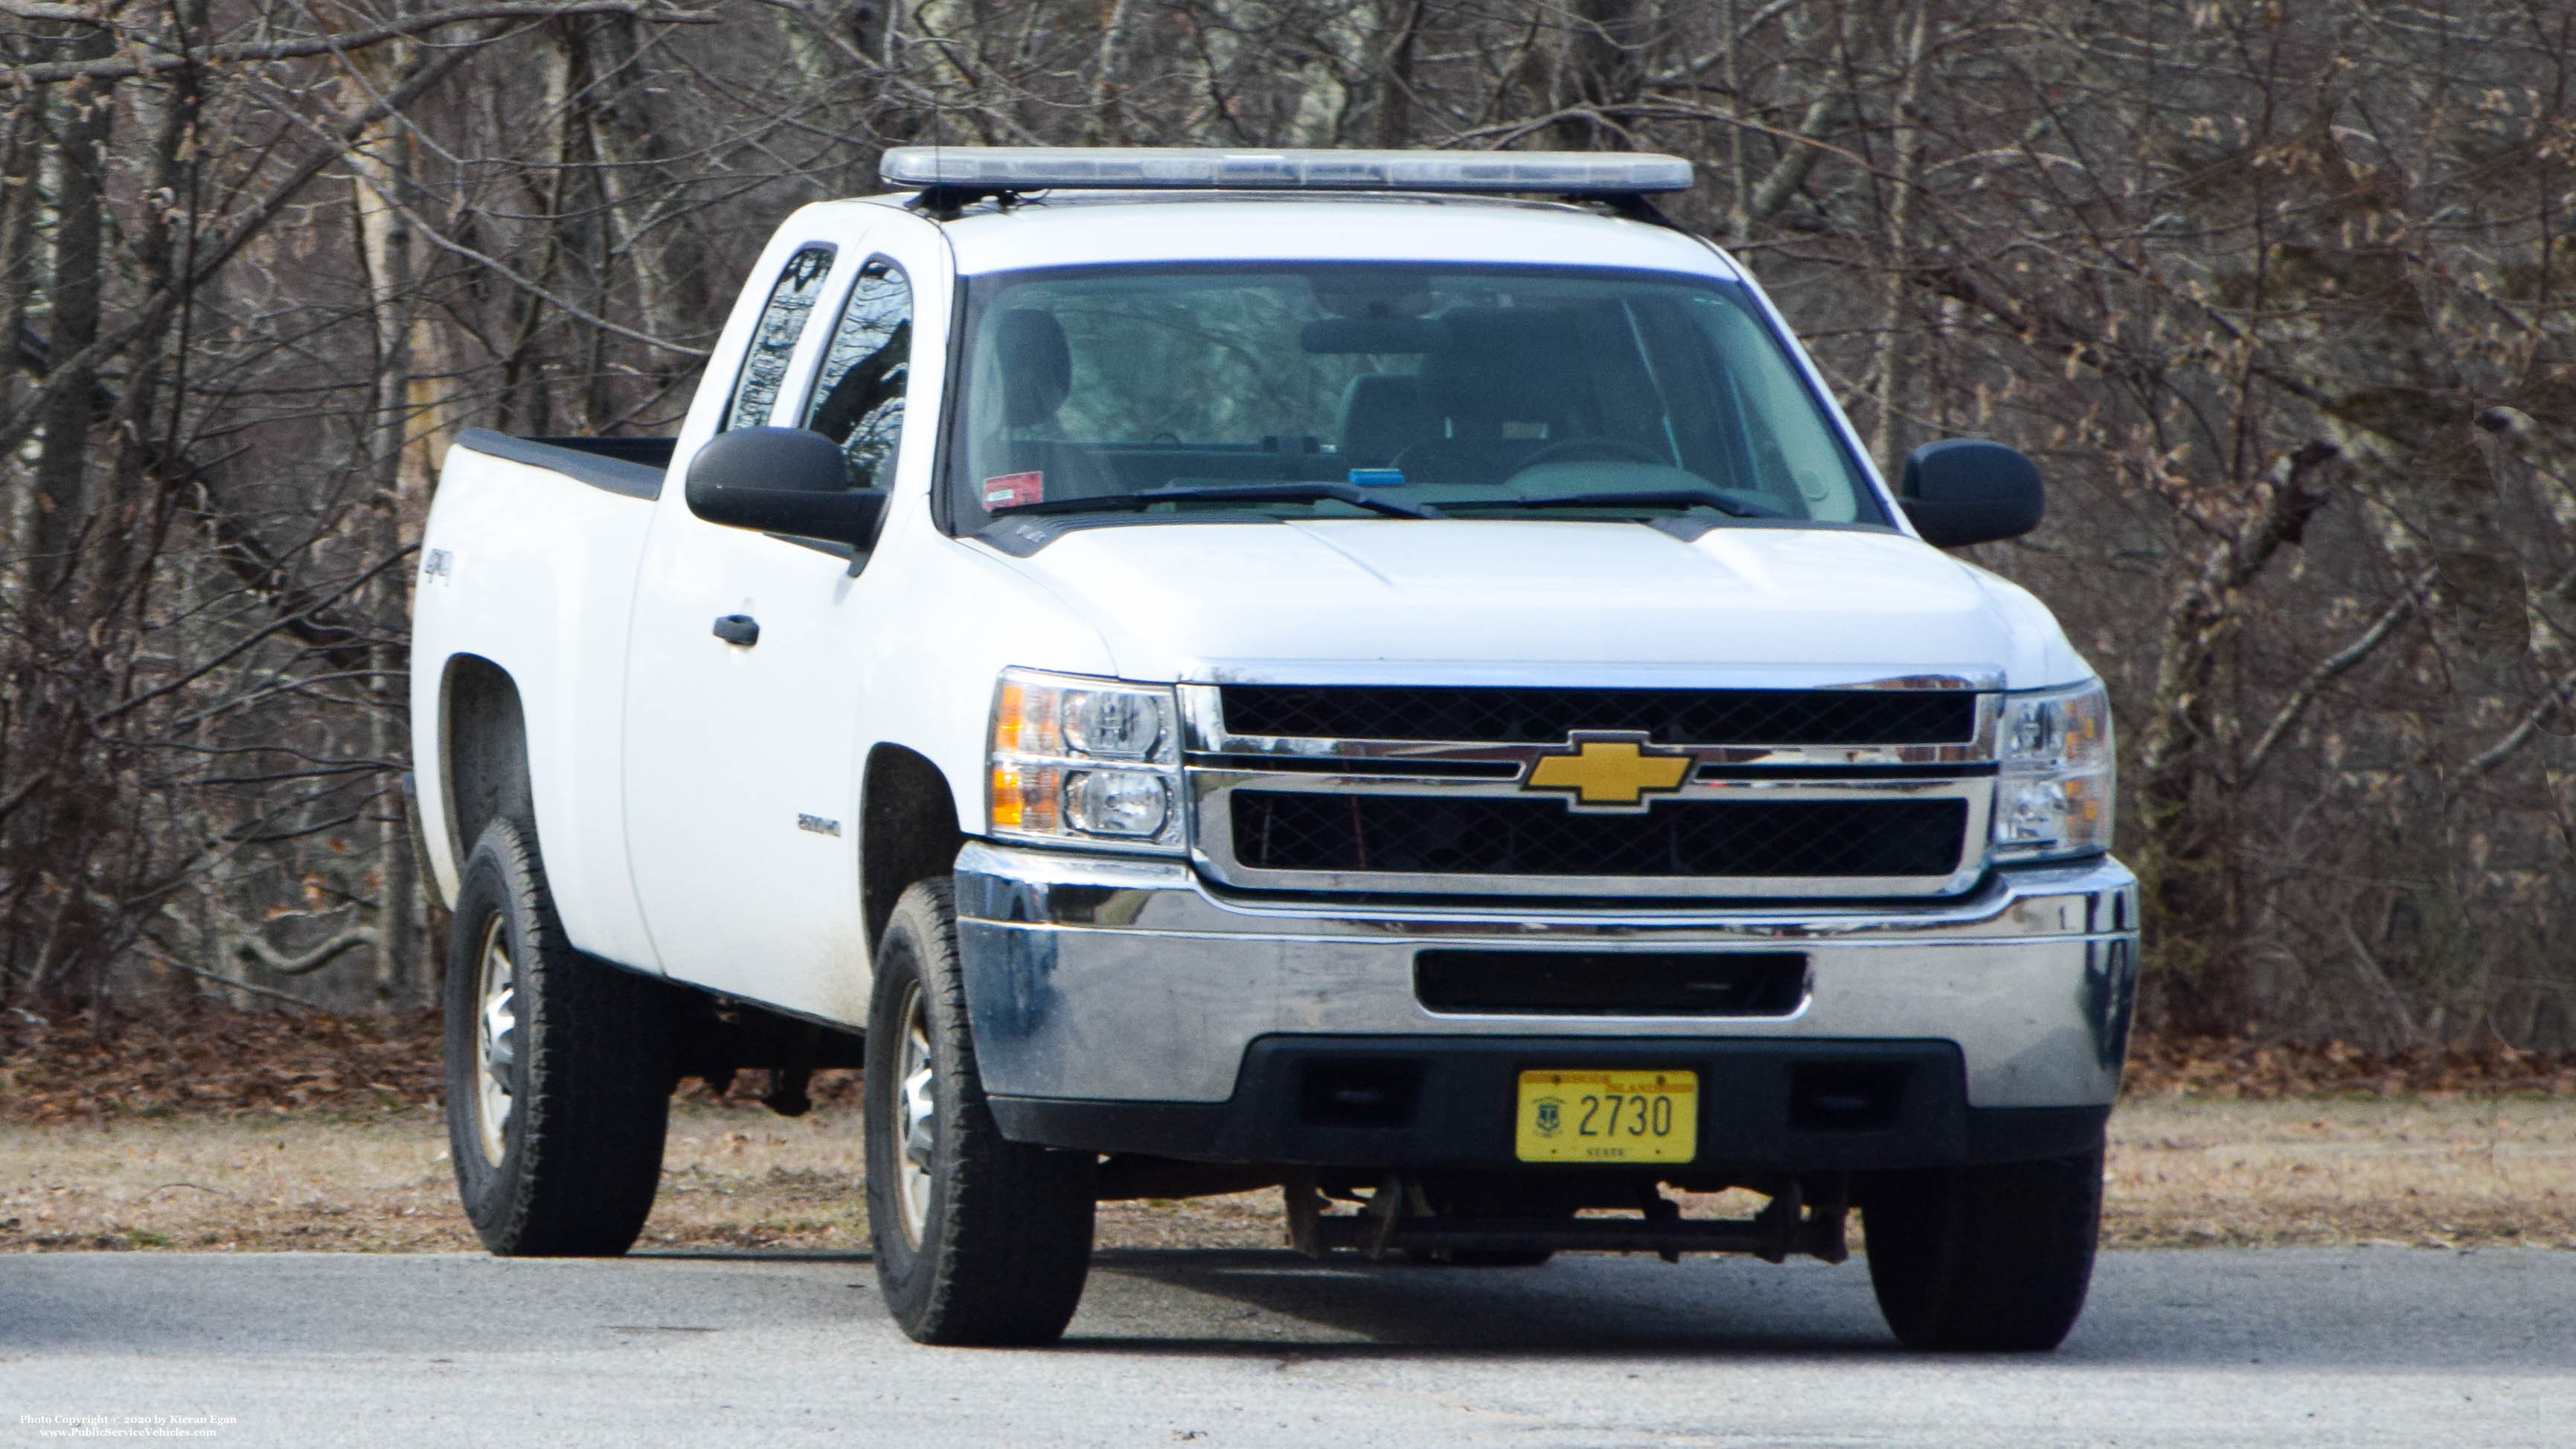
(558, 1069)
(1991, 1259)
(978, 1240)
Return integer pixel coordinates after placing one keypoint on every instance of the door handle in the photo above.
(739, 629)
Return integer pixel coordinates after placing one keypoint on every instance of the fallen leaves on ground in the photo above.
(2183, 1172)
(198, 1056)
(2251, 1070)
(201, 1127)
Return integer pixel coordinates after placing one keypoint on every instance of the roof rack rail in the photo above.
(951, 176)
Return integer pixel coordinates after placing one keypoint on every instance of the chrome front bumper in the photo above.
(1118, 979)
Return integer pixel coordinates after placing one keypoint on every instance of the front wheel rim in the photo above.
(496, 1045)
(916, 1119)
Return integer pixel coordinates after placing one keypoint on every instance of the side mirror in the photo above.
(1967, 490)
(782, 480)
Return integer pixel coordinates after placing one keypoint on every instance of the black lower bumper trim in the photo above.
(1447, 1102)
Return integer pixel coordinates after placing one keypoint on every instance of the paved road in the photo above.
(2271, 1348)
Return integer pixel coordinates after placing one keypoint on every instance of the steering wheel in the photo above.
(1592, 450)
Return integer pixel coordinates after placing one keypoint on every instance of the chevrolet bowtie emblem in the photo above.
(1608, 769)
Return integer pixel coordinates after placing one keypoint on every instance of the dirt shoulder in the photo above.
(2183, 1172)
(2189, 1172)
(202, 1128)
(195, 1057)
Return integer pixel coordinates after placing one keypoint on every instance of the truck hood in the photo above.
(1461, 601)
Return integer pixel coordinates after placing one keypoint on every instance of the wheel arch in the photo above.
(908, 830)
(483, 749)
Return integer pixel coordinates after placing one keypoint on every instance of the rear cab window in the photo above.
(858, 393)
(773, 342)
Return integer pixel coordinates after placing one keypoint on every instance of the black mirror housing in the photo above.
(782, 480)
(1969, 490)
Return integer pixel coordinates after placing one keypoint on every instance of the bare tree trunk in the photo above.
(1739, 177)
(666, 260)
(2188, 758)
(1602, 70)
(21, 203)
(1401, 31)
(1102, 126)
(386, 253)
(1893, 384)
(78, 277)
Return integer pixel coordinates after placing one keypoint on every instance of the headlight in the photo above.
(2053, 794)
(1084, 759)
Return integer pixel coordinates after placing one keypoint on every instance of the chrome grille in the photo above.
(1872, 789)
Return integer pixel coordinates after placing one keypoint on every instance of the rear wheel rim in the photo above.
(496, 1039)
(916, 1119)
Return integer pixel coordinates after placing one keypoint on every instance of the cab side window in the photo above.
(858, 396)
(755, 392)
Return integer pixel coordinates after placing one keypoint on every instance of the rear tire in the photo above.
(978, 1240)
(558, 1069)
(1992, 1259)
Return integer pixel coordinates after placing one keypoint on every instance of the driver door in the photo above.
(744, 757)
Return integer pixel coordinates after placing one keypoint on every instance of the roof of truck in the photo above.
(1094, 228)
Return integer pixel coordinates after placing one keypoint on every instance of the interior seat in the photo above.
(1516, 381)
(1382, 415)
(1035, 361)
(1504, 388)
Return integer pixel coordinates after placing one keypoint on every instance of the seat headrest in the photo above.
(1037, 365)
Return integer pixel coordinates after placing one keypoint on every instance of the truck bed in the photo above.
(632, 466)
(529, 566)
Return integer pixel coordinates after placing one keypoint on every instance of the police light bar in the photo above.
(991, 169)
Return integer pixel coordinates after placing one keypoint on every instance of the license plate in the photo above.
(1598, 1116)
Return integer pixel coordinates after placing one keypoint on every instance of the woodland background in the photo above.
(2277, 293)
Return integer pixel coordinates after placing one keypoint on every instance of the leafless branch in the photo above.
(2327, 670)
(338, 42)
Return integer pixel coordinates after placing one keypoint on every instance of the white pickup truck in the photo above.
(1380, 674)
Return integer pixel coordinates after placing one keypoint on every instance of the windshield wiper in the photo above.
(1725, 503)
(1287, 492)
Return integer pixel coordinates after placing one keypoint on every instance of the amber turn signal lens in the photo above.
(1025, 796)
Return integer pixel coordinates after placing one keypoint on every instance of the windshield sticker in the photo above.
(1005, 490)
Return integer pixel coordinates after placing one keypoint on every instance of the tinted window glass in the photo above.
(1478, 392)
(858, 395)
(781, 323)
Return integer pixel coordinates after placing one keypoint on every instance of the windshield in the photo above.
(1369, 391)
